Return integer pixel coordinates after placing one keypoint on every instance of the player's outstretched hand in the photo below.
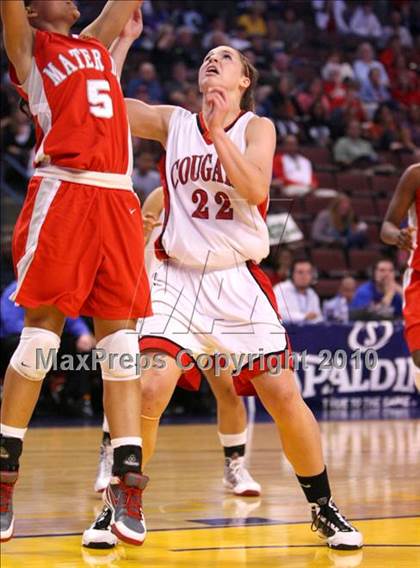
(405, 238)
(216, 98)
(133, 28)
(149, 223)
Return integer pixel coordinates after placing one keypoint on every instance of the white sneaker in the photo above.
(99, 534)
(106, 460)
(332, 526)
(238, 480)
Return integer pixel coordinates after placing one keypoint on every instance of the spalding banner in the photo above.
(357, 365)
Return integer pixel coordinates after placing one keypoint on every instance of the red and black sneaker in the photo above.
(7, 519)
(124, 499)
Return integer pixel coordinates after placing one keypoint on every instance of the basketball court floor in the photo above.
(373, 466)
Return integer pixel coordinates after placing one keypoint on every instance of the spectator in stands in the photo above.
(292, 171)
(76, 338)
(145, 176)
(381, 297)
(146, 78)
(337, 309)
(285, 108)
(365, 23)
(239, 39)
(406, 89)
(373, 91)
(317, 126)
(352, 150)
(335, 63)
(18, 137)
(178, 80)
(388, 133)
(396, 28)
(331, 16)
(284, 264)
(307, 97)
(365, 61)
(253, 21)
(291, 30)
(338, 225)
(296, 299)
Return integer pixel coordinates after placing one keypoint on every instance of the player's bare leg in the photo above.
(26, 371)
(118, 342)
(300, 436)
(158, 385)
(232, 427)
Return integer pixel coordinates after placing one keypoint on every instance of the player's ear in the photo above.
(244, 82)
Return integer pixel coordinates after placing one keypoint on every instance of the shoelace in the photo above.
(239, 471)
(330, 516)
(133, 501)
(6, 492)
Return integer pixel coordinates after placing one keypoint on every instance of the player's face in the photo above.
(51, 11)
(222, 67)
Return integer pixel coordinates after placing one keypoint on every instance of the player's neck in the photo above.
(62, 28)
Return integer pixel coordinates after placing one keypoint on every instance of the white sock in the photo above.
(128, 441)
(229, 440)
(105, 425)
(11, 432)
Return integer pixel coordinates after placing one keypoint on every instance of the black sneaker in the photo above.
(330, 524)
(99, 534)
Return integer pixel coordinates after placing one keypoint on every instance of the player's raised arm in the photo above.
(403, 198)
(146, 121)
(18, 36)
(250, 173)
(110, 22)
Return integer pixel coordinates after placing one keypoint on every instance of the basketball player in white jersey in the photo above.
(209, 295)
(231, 413)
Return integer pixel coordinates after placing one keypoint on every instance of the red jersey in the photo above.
(413, 220)
(75, 97)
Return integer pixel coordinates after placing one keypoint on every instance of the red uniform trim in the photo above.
(191, 378)
(411, 312)
(202, 127)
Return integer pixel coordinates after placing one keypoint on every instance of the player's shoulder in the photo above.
(413, 172)
(260, 125)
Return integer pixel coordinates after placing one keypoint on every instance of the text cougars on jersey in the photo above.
(198, 167)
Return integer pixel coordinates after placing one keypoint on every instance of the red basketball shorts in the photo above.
(412, 309)
(80, 248)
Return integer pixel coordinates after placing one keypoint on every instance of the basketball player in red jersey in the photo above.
(406, 201)
(79, 235)
(210, 297)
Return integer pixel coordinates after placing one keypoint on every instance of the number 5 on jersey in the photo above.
(100, 102)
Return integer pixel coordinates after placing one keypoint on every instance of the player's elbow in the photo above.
(258, 195)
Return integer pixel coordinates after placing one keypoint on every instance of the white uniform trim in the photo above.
(84, 177)
(45, 196)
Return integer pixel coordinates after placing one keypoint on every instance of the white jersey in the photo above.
(207, 222)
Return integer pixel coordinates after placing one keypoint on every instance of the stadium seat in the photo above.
(313, 205)
(408, 160)
(365, 208)
(326, 180)
(316, 155)
(382, 205)
(327, 287)
(330, 262)
(384, 185)
(361, 260)
(353, 183)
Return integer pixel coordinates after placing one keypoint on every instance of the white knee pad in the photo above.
(36, 353)
(119, 355)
